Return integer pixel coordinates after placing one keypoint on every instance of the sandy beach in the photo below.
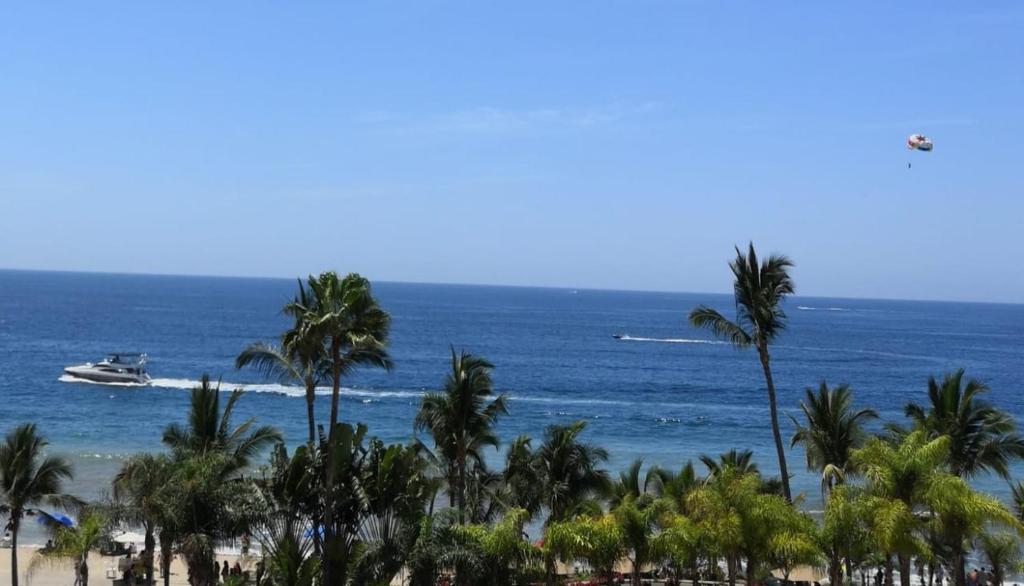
(63, 574)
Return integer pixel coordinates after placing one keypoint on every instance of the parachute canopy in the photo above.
(919, 142)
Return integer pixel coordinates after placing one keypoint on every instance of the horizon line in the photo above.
(511, 286)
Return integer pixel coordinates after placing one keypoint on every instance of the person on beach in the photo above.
(225, 572)
(972, 578)
(237, 570)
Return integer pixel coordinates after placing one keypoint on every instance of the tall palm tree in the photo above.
(832, 432)
(209, 430)
(343, 315)
(461, 420)
(982, 437)
(73, 544)
(759, 290)
(29, 478)
(139, 486)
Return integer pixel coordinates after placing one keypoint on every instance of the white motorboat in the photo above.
(124, 367)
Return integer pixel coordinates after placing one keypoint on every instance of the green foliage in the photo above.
(209, 430)
(982, 438)
(564, 473)
(461, 421)
(832, 432)
(599, 541)
(497, 554)
(740, 521)
(29, 478)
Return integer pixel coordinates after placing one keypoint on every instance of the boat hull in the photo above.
(89, 374)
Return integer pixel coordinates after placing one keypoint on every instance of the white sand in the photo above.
(64, 574)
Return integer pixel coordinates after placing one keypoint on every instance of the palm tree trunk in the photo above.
(83, 570)
(959, 572)
(311, 420)
(150, 547)
(904, 570)
(335, 382)
(730, 565)
(330, 538)
(636, 571)
(835, 570)
(165, 558)
(15, 523)
(779, 448)
(888, 570)
(461, 480)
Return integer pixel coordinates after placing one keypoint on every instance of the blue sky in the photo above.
(584, 144)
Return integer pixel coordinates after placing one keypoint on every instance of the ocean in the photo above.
(666, 392)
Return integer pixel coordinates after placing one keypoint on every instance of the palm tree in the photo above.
(74, 544)
(345, 318)
(209, 430)
(759, 291)
(676, 486)
(638, 519)
(633, 483)
(461, 420)
(562, 475)
(568, 471)
(596, 539)
(1002, 552)
(29, 478)
(139, 486)
(741, 461)
(898, 480)
(741, 521)
(833, 431)
(521, 478)
(982, 437)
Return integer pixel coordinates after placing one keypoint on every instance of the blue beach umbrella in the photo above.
(55, 518)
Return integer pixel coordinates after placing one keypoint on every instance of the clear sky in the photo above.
(611, 144)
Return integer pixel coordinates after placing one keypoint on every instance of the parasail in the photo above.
(919, 142)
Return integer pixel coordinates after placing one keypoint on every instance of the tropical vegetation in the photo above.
(458, 505)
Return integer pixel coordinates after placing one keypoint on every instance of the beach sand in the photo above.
(64, 575)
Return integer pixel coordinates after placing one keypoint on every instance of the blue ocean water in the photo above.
(667, 394)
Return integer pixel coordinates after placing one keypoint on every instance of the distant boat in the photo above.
(124, 367)
(618, 336)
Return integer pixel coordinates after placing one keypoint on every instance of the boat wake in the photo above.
(669, 340)
(808, 308)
